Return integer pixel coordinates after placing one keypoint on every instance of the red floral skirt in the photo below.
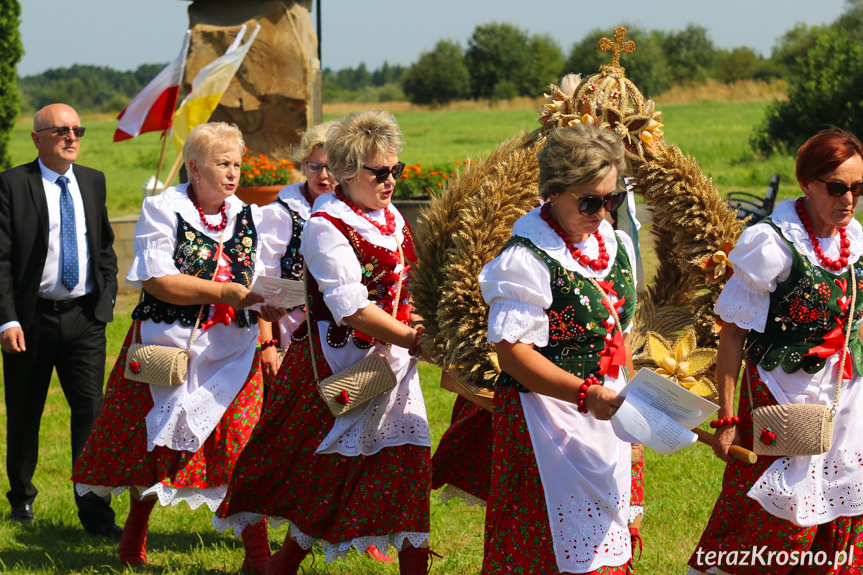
(517, 535)
(463, 456)
(739, 524)
(116, 454)
(329, 497)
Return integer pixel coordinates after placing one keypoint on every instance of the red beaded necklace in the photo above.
(308, 196)
(386, 229)
(598, 264)
(844, 243)
(223, 210)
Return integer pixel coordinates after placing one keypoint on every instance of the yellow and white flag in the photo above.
(208, 87)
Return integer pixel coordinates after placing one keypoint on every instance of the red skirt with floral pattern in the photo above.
(517, 535)
(116, 454)
(463, 456)
(740, 524)
(329, 497)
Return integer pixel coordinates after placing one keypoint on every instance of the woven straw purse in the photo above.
(799, 428)
(360, 383)
(161, 365)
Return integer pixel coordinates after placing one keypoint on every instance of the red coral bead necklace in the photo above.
(386, 229)
(597, 264)
(844, 243)
(223, 210)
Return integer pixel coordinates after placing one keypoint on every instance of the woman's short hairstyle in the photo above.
(575, 156)
(205, 139)
(357, 139)
(824, 152)
(314, 137)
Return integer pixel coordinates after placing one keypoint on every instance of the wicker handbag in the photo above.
(799, 428)
(360, 383)
(161, 365)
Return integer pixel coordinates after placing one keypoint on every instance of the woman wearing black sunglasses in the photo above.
(561, 479)
(288, 214)
(784, 312)
(361, 479)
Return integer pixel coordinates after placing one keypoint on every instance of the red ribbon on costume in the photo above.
(613, 357)
(222, 313)
(835, 338)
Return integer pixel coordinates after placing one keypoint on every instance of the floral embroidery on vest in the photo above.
(806, 318)
(195, 256)
(378, 275)
(578, 318)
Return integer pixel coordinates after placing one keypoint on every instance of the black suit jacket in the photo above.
(24, 241)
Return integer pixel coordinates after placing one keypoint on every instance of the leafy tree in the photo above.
(439, 76)
(738, 64)
(851, 21)
(11, 51)
(546, 61)
(793, 46)
(647, 67)
(388, 74)
(828, 92)
(496, 52)
(689, 54)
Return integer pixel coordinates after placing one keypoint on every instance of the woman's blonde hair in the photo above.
(205, 139)
(358, 138)
(575, 156)
(314, 137)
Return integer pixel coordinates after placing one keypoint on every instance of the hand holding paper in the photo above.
(278, 293)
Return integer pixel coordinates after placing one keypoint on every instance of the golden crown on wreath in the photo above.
(609, 100)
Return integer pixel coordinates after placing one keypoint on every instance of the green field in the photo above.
(680, 489)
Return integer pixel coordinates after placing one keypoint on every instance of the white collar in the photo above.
(786, 219)
(532, 227)
(331, 205)
(293, 196)
(178, 200)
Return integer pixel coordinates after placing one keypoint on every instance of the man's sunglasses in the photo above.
(589, 205)
(381, 174)
(838, 189)
(63, 131)
(316, 167)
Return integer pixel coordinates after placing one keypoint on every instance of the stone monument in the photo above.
(275, 95)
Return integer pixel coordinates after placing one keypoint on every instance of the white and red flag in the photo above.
(153, 109)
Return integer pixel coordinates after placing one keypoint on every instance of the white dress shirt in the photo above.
(50, 287)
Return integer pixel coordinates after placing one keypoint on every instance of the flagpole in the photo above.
(161, 160)
(173, 173)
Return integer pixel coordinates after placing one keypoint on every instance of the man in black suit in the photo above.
(58, 281)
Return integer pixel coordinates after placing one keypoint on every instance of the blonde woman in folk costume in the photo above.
(561, 480)
(289, 213)
(362, 478)
(179, 444)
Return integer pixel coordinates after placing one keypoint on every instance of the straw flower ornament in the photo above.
(682, 361)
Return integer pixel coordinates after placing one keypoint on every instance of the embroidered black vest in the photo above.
(292, 261)
(805, 322)
(576, 317)
(195, 256)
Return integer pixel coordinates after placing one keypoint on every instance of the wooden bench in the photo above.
(754, 207)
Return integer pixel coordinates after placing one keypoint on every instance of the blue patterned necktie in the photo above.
(68, 235)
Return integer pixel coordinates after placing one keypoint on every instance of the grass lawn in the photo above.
(680, 489)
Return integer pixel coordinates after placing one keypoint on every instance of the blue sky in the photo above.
(124, 34)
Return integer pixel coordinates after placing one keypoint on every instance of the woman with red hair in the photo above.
(785, 311)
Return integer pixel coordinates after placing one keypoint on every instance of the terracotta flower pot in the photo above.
(260, 195)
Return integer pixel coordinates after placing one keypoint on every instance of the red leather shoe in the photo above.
(376, 554)
(257, 547)
(287, 560)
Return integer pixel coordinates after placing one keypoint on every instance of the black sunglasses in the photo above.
(316, 167)
(589, 205)
(63, 131)
(838, 189)
(381, 174)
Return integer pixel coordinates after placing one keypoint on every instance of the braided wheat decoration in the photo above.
(467, 225)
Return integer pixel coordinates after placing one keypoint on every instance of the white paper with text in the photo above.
(660, 413)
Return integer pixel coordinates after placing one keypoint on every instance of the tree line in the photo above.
(822, 65)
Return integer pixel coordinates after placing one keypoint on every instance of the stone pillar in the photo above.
(270, 99)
